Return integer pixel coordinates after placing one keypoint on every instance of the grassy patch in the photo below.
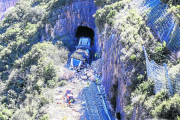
(62, 83)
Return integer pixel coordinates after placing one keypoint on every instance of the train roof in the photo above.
(84, 38)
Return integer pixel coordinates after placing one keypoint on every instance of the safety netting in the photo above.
(164, 26)
(160, 21)
(159, 75)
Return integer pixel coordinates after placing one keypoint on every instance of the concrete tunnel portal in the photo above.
(84, 31)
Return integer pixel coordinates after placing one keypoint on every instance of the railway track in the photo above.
(91, 105)
(102, 104)
(94, 107)
(99, 104)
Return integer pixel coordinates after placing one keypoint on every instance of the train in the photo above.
(82, 54)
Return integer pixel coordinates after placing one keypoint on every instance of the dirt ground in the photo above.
(60, 109)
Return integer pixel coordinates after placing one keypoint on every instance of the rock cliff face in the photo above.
(122, 58)
(79, 13)
(113, 70)
(5, 5)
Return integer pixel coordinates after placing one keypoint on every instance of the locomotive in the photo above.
(82, 55)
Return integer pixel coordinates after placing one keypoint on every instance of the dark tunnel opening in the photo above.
(118, 115)
(84, 31)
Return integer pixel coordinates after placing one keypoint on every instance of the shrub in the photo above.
(62, 83)
(55, 79)
(7, 112)
(169, 109)
(106, 14)
(34, 15)
(12, 31)
(171, 2)
(1, 47)
(159, 98)
(140, 77)
(3, 117)
(20, 115)
(45, 117)
(30, 30)
(138, 97)
(35, 62)
(50, 83)
(44, 101)
(39, 83)
(50, 71)
(129, 111)
(133, 57)
(161, 53)
(59, 44)
(102, 2)
(177, 118)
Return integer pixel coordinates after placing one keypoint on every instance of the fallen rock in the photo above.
(92, 71)
(84, 77)
(76, 74)
(92, 78)
(74, 110)
(88, 66)
(67, 74)
(89, 74)
(82, 67)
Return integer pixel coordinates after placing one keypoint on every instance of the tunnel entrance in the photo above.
(84, 31)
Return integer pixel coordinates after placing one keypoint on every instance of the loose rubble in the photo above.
(85, 98)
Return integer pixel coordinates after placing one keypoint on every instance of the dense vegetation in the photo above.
(158, 106)
(104, 2)
(134, 34)
(174, 8)
(172, 2)
(27, 67)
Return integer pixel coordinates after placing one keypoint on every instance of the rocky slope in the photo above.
(122, 31)
(4, 7)
(20, 33)
(29, 68)
(79, 13)
(90, 101)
